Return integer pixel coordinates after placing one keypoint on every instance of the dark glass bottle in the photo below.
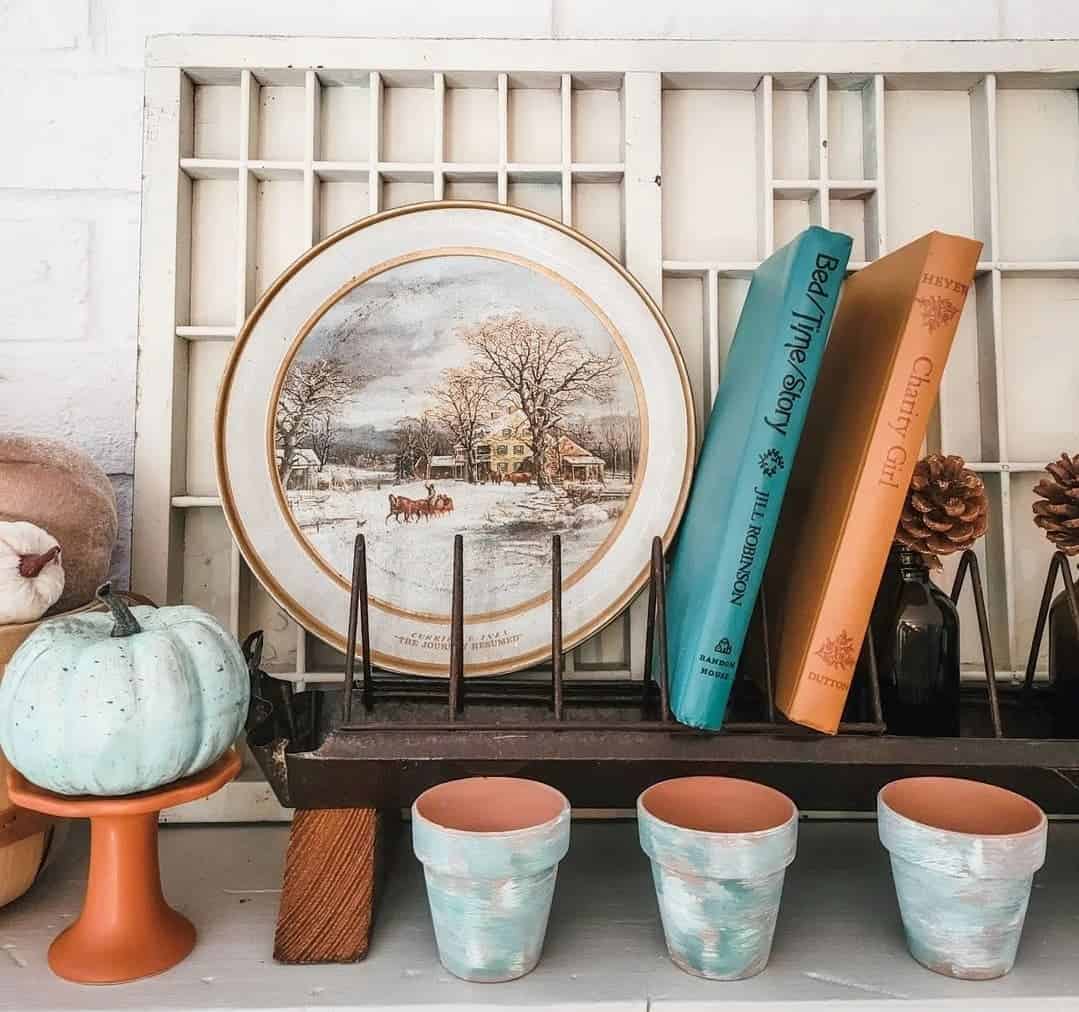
(1064, 668)
(916, 631)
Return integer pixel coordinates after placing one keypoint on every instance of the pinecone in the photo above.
(946, 510)
(1057, 511)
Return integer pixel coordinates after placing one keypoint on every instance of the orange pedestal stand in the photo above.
(126, 929)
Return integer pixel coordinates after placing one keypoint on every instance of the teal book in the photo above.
(749, 446)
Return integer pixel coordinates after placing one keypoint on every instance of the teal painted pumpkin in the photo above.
(110, 704)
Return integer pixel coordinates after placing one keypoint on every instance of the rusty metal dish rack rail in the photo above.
(601, 741)
(652, 691)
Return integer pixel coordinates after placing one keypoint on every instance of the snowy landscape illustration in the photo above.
(458, 394)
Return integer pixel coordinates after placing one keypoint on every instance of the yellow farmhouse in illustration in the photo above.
(506, 448)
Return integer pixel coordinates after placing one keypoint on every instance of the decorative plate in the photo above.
(454, 368)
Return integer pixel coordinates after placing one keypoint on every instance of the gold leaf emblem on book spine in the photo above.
(936, 311)
(838, 653)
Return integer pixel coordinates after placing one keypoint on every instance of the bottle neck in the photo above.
(912, 566)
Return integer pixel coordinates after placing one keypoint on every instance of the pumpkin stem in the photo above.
(31, 565)
(126, 623)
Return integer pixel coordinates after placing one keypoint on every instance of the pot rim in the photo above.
(1032, 833)
(499, 834)
(707, 834)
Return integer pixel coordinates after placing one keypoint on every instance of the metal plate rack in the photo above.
(386, 739)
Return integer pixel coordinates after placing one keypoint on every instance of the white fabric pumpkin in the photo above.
(31, 572)
(113, 704)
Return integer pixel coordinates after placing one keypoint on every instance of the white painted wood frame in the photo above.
(690, 161)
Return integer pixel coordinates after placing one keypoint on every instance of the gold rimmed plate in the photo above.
(454, 368)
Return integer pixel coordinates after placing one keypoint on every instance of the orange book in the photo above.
(877, 387)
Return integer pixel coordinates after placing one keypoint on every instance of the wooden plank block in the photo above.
(328, 891)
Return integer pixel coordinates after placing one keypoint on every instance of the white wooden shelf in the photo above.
(1047, 269)
(207, 333)
(690, 161)
(196, 501)
(838, 943)
(210, 168)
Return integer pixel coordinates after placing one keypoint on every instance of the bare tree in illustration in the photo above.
(408, 454)
(610, 437)
(462, 400)
(311, 393)
(545, 371)
(324, 439)
(427, 440)
(630, 426)
(580, 431)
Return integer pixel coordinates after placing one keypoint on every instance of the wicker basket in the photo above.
(26, 838)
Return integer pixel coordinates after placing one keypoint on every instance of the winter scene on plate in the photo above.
(458, 394)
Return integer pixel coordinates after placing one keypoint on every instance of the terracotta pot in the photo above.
(719, 849)
(963, 856)
(490, 848)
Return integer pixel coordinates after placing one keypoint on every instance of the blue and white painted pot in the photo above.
(490, 848)
(963, 856)
(719, 849)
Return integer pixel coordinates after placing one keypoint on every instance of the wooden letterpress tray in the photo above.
(690, 162)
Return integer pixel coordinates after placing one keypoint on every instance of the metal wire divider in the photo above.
(650, 695)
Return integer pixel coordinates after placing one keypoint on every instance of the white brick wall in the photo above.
(48, 291)
(70, 101)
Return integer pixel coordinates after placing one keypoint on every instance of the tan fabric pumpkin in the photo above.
(59, 488)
